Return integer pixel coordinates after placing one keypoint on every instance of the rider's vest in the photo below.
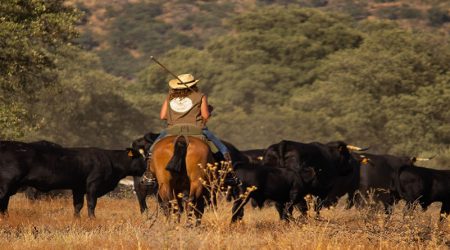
(186, 111)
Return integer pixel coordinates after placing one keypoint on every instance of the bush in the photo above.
(385, 1)
(438, 16)
(398, 12)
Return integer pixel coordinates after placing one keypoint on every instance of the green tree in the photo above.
(88, 108)
(389, 93)
(33, 35)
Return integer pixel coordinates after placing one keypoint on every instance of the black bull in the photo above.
(371, 180)
(48, 166)
(307, 168)
(424, 186)
(319, 165)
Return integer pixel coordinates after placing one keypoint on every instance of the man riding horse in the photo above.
(178, 153)
(186, 105)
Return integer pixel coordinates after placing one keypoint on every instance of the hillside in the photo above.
(124, 33)
(272, 71)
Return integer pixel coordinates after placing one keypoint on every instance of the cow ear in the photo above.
(364, 160)
(130, 152)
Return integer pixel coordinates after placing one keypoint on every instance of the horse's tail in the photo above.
(178, 161)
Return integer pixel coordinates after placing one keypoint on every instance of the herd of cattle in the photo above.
(284, 173)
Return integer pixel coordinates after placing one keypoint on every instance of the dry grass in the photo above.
(49, 224)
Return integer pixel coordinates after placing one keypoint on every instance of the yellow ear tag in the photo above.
(130, 153)
(365, 161)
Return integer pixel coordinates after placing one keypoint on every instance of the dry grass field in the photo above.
(49, 224)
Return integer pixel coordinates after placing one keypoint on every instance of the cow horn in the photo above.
(423, 159)
(142, 152)
(355, 148)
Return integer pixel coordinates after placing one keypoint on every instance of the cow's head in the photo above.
(138, 165)
(345, 160)
(144, 142)
(274, 155)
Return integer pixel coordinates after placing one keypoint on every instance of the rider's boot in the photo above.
(148, 178)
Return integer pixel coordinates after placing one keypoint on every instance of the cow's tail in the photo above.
(177, 163)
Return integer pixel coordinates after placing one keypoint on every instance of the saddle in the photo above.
(189, 130)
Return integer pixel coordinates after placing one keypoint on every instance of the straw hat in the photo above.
(188, 81)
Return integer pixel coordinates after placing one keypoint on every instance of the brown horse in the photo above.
(176, 164)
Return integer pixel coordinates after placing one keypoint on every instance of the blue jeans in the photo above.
(209, 135)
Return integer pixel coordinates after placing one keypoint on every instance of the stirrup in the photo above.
(148, 181)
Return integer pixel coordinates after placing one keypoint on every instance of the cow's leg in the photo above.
(78, 201)
(91, 197)
(388, 207)
(281, 209)
(5, 193)
(358, 200)
(318, 204)
(302, 206)
(141, 194)
(350, 200)
(285, 210)
(289, 209)
(238, 209)
(4, 205)
(409, 208)
(445, 210)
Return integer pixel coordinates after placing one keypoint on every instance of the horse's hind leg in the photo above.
(165, 198)
(195, 204)
(199, 211)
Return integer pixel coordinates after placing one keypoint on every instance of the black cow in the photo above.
(371, 179)
(425, 186)
(144, 142)
(377, 173)
(281, 185)
(343, 184)
(319, 165)
(90, 171)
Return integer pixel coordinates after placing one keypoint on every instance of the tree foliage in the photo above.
(307, 75)
(33, 35)
(276, 73)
